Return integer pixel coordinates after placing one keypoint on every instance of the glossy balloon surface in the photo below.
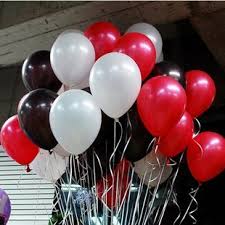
(206, 156)
(151, 32)
(200, 90)
(140, 49)
(178, 137)
(33, 112)
(115, 82)
(161, 104)
(170, 69)
(37, 72)
(103, 36)
(16, 144)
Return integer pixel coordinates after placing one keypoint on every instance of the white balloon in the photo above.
(70, 31)
(161, 58)
(75, 120)
(151, 32)
(61, 151)
(72, 56)
(149, 169)
(49, 166)
(115, 82)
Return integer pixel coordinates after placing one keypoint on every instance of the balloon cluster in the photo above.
(128, 82)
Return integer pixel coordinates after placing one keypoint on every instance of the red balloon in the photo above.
(140, 49)
(200, 90)
(103, 36)
(178, 137)
(119, 184)
(161, 104)
(206, 156)
(16, 143)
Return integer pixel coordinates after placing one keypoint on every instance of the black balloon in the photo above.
(141, 138)
(37, 72)
(169, 69)
(33, 112)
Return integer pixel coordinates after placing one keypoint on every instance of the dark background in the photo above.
(189, 51)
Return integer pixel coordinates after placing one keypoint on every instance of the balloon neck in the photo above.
(28, 169)
(50, 151)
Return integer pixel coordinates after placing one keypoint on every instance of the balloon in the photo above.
(33, 112)
(140, 49)
(206, 156)
(115, 82)
(72, 56)
(160, 58)
(70, 31)
(103, 36)
(58, 149)
(15, 142)
(169, 69)
(37, 72)
(140, 139)
(178, 137)
(75, 120)
(49, 166)
(200, 90)
(118, 183)
(161, 104)
(5, 206)
(150, 167)
(151, 32)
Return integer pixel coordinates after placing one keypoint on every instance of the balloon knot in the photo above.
(50, 151)
(28, 169)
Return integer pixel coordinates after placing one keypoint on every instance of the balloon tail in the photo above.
(112, 157)
(128, 137)
(178, 207)
(170, 193)
(28, 169)
(192, 195)
(155, 192)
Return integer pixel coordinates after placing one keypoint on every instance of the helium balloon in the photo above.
(16, 143)
(33, 112)
(5, 206)
(75, 120)
(200, 90)
(151, 32)
(178, 137)
(119, 185)
(49, 166)
(103, 36)
(72, 56)
(37, 72)
(58, 149)
(169, 69)
(206, 156)
(150, 167)
(161, 104)
(140, 137)
(70, 31)
(118, 77)
(140, 49)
